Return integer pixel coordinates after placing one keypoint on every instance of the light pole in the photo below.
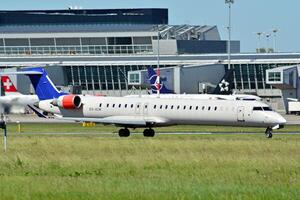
(259, 41)
(275, 30)
(268, 42)
(229, 2)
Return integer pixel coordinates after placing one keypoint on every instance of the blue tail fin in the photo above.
(153, 82)
(43, 86)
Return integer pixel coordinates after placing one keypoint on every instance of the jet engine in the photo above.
(68, 102)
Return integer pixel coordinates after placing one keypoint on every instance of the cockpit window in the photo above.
(262, 108)
(257, 108)
(267, 109)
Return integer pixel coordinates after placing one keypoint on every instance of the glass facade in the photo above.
(253, 76)
(274, 76)
(102, 78)
(247, 77)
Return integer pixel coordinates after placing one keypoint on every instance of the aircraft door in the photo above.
(241, 114)
(138, 108)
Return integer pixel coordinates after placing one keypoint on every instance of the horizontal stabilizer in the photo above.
(23, 72)
(37, 112)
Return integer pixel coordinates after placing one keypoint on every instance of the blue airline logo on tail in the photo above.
(43, 86)
(157, 85)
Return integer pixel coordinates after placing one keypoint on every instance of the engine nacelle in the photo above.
(68, 102)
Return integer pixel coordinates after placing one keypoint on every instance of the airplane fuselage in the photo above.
(163, 111)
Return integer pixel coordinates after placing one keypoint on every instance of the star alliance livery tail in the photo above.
(43, 86)
(224, 86)
(153, 79)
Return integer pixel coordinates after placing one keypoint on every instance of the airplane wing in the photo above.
(129, 121)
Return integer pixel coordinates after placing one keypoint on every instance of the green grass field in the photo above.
(91, 166)
(78, 128)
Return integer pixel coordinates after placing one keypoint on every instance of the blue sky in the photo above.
(248, 16)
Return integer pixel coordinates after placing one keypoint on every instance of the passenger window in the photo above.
(178, 107)
(191, 107)
(196, 107)
(215, 108)
(166, 107)
(160, 107)
(107, 105)
(146, 106)
(154, 107)
(113, 105)
(131, 106)
(172, 107)
(208, 107)
(125, 105)
(100, 105)
(203, 107)
(184, 107)
(138, 105)
(119, 105)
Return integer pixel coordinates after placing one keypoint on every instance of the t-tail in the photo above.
(42, 84)
(226, 84)
(155, 85)
(8, 86)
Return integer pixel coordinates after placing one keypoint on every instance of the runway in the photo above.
(32, 118)
(165, 133)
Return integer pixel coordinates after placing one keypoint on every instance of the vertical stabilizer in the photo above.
(8, 86)
(42, 84)
(157, 83)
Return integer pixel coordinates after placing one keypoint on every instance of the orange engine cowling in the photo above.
(68, 102)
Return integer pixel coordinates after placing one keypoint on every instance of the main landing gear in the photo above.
(269, 132)
(149, 132)
(124, 132)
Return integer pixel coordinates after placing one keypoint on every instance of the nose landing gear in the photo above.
(269, 132)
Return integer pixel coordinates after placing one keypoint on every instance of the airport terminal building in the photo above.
(95, 49)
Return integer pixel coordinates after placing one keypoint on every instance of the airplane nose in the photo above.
(281, 120)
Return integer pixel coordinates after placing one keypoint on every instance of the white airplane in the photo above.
(222, 90)
(13, 101)
(151, 112)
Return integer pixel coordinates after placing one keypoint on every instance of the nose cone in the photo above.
(278, 119)
(281, 120)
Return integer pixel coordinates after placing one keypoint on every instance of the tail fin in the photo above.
(8, 86)
(226, 83)
(155, 85)
(43, 86)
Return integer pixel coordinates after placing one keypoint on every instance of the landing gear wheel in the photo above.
(269, 133)
(149, 132)
(124, 132)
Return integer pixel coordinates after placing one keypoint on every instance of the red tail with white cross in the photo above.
(8, 85)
